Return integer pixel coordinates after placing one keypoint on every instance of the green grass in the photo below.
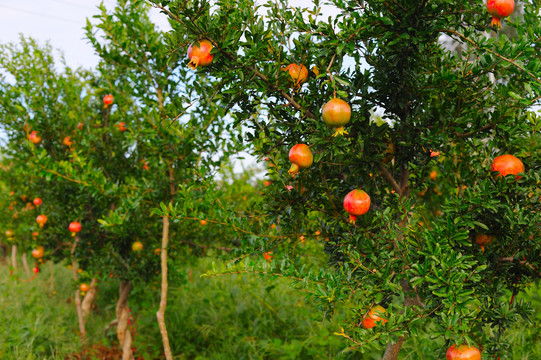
(229, 317)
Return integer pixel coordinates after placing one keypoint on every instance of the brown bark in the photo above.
(14, 256)
(82, 328)
(90, 297)
(163, 300)
(123, 315)
(25, 265)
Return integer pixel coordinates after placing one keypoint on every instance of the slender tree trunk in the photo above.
(25, 265)
(82, 329)
(14, 256)
(163, 300)
(90, 297)
(123, 315)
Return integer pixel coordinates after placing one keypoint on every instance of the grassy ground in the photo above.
(231, 317)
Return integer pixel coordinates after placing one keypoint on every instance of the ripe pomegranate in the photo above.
(463, 352)
(267, 255)
(122, 126)
(507, 164)
(298, 73)
(374, 315)
(483, 240)
(433, 175)
(41, 220)
(75, 227)
(38, 252)
(34, 137)
(199, 54)
(203, 222)
(35, 269)
(145, 165)
(356, 202)
(137, 246)
(67, 141)
(301, 157)
(84, 287)
(336, 113)
(499, 9)
(37, 201)
(108, 100)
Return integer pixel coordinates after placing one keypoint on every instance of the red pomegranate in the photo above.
(34, 137)
(75, 227)
(35, 269)
(463, 352)
(298, 73)
(336, 114)
(41, 220)
(37, 201)
(122, 126)
(199, 54)
(108, 100)
(301, 156)
(507, 164)
(374, 315)
(356, 202)
(499, 9)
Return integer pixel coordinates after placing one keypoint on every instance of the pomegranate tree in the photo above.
(336, 113)
(199, 54)
(301, 157)
(499, 9)
(356, 203)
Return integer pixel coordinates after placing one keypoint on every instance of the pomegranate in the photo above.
(356, 202)
(137, 246)
(108, 100)
(75, 227)
(507, 164)
(199, 54)
(35, 234)
(84, 287)
(34, 137)
(37, 201)
(336, 114)
(80, 126)
(67, 141)
(38, 253)
(499, 9)
(463, 352)
(483, 240)
(35, 269)
(373, 316)
(301, 157)
(122, 126)
(9, 233)
(41, 220)
(298, 73)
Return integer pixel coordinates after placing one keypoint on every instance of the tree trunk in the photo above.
(14, 256)
(82, 329)
(90, 297)
(163, 300)
(123, 315)
(25, 265)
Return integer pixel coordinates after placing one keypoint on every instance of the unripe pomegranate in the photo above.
(301, 156)
(41, 220)
(373, 316)
(75, 227)
(507, 164)
(108, 100)
(499, 9)
(137, 246)
(84, 287)
(463, 352)
(199, 54)
(336, 114)
(34, 137)
(37, 201)
(38, 253)
(298, 73)
(356, 202)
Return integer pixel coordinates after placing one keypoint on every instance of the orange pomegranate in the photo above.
(356, 203)
(336, 114)
(41, 220)
(506, 165)
(38, 252)
(483, 240)
(107, 100)
(34, 137)
(298, 73)
(75, 227)
(84, 287)
(199, 54)
(463, 352)
(301, 157)
(499, 9)
(374, 315)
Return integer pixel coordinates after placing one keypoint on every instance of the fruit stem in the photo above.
(293, 170)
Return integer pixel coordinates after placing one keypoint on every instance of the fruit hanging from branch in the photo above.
(483, 240)
(298, 73)
(374, 316)
(122, 126)
(84, 287)
(336, 114)
(463, 352)
(137, 246)
(506, 165)
(38, 252)
(34, 137)
(67, 141)
(41, 220)
(75, 227)
(108, 100)
(301, 157)
(35, 269)
(356, 203)
(199, 54)
(37, 201)
(499, 9)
